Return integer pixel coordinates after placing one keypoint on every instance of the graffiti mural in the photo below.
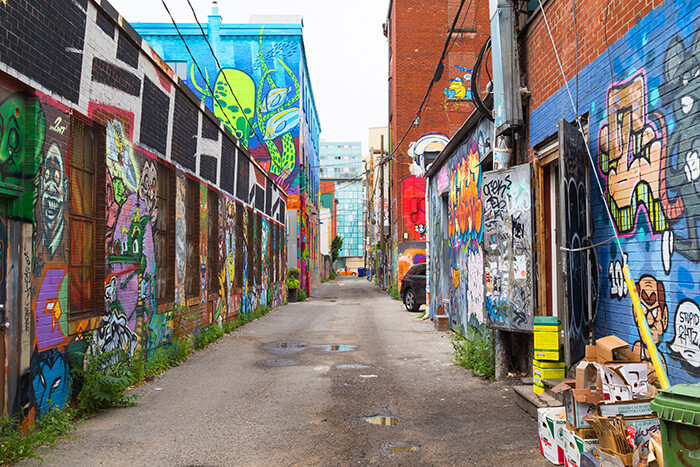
(265, 111)
(413, 202)
(642, 96)
(508, 268)
(407, 258)
(459, 88)
(456, 231)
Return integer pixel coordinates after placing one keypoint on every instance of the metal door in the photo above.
(573, 205)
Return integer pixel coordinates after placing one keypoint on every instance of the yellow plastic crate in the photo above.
(548, 370)
(546, 340)
(547, 354)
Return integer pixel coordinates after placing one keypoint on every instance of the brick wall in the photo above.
(124, 173)
(636, 83)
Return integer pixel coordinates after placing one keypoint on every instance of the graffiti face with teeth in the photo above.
(53, 197)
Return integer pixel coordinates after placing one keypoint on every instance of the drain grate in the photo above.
(397, 449)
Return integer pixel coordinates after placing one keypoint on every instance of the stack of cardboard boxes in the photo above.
(611, 381)
(547, 363)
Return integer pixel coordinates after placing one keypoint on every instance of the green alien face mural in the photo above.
(235, 114)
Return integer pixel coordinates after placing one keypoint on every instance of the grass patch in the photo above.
(15, 446)
(301, 295)
(394, 292)
(475, 352)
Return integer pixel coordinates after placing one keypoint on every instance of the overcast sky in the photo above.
(345, 48)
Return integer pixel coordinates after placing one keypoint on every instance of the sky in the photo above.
(346, 52)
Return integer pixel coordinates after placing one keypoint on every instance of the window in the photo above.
(192, 282)
(165, 235)
(87, 220)
(213, 258)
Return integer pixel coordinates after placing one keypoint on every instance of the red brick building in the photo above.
(417, 32)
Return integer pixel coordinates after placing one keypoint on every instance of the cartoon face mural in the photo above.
(51, 383)
(265, 112)
(431, 143)
(53, 187)
(643, 96)
(147, 189)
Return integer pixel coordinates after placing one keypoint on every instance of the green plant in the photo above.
(104, 379)
(208, 335)
(182, 348)
(332, 276)
(292, 284)
(15, 446)
(475, 352)
(302, 295)
(394, 292)
(336, 245)
(183, 321)
(293, 273)
(159, 362)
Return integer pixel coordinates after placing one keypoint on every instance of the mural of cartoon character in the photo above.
(53, 191)
(681, 180)
(652, 295)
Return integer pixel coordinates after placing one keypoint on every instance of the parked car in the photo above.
(413, 287)
(346, 272)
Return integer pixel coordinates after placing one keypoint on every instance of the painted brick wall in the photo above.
(417, 34)
(96, 75)
(638, 83)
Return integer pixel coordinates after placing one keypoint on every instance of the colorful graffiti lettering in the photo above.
(408, 258)
(465, 209)
(686, 342)
(632, 144)
(49, 308)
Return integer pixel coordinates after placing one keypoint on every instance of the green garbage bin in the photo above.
(678, 408)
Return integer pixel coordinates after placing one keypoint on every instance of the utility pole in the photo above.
(382, 239)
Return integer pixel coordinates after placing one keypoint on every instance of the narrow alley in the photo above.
(299, 387)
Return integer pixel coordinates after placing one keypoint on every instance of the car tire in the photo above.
(409, 300)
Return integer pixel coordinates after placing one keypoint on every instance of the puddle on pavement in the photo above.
(353, 366)
(397, 449)
(277, 362)
(285, 347)
(384, 421)
(338, 348)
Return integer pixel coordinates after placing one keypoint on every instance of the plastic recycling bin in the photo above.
(678, 408)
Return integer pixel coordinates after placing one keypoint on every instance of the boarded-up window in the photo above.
(87, 192)
(240, 227)
(165, 235)
(192, 281)
(213, 243)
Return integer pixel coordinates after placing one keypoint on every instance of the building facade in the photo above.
(600, 182)
(261, 91)
(341, 164)
(417, 31)
(129, 217)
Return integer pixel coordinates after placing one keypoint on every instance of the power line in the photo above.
(438, 72)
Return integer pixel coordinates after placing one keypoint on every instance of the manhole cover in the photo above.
(383, 421)
(276, 362)
(285, 347)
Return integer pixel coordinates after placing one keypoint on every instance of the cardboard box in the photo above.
(635, 374)
(610, 349)
(551, 428)
(578, 402)
(644, 427)
(633, 408)
(548, 370)
(575, 445)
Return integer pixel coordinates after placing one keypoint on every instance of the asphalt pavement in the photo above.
(348, 377)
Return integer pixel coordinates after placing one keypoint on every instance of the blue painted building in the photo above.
(260, 90)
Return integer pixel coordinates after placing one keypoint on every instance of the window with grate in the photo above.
(87, 220)
(213, 243)
(165, 235)
(238, 271)
(192, 275)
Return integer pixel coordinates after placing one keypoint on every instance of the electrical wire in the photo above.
(416, 119)
(220, 69)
